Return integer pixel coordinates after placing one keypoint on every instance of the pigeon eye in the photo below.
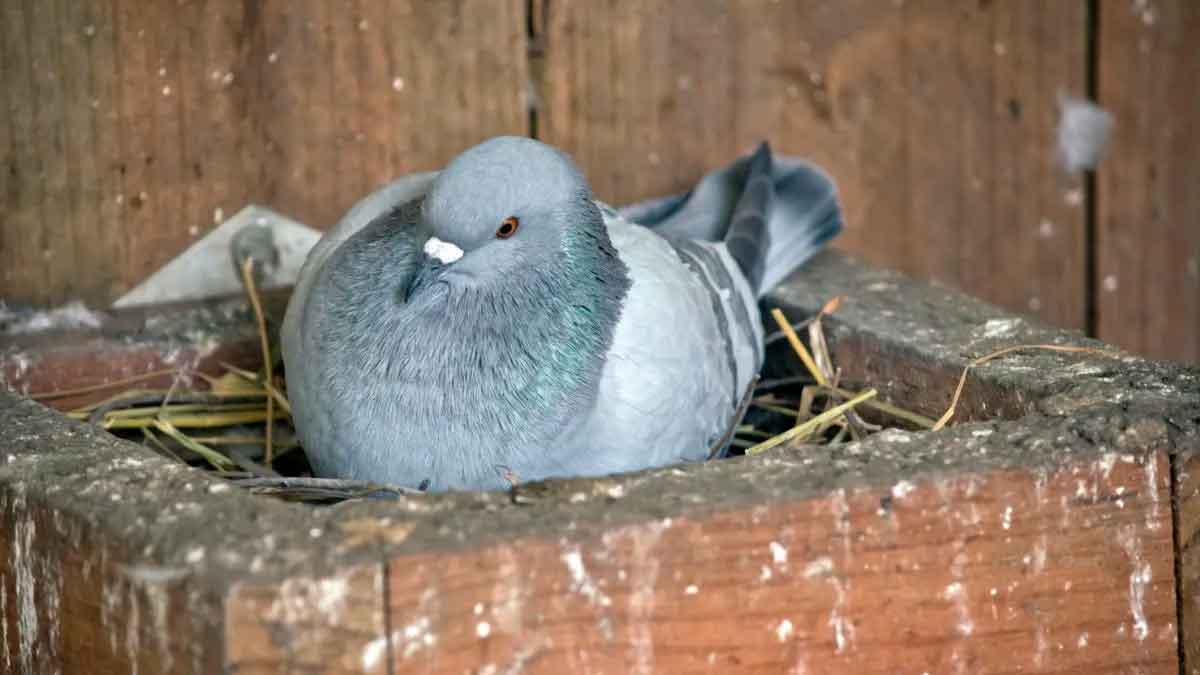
(508, 228)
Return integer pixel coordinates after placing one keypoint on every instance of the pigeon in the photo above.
(494, 322)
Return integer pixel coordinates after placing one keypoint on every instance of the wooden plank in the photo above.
(1187, 537)
(356, 99)
(328, 624)
(1148, 263)
(74, 604)
(936, 119)
(131, 130)
(217, 331)
(23, 165)
(110, 562)
(986, 573)
(86, 33)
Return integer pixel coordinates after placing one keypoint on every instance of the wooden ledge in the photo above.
(1040, 535)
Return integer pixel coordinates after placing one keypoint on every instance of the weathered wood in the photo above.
(1187, 538)
(936, 119)
(1002, 572)
(116, 560)
(1148, 240)
(1057, 496)
(176, 341)
(331, 624)
(76, 603)
(132, 128)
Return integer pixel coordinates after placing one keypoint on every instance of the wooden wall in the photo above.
(132, 126)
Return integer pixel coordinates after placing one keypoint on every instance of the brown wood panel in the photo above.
(131, 128)
(936, 118)
(310, 624)
(1070, 571)
(75, 601)
(1148, 207)
(21, 249)
(1187, 538)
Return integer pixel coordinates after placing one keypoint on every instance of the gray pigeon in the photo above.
(494, 322)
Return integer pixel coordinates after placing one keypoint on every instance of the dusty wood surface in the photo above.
(936, 119)
(116, 557)
(1187, 536)
(895, 544)
(325, 624)
(75, 602)
(1148, 267)
(1187, 490)
(69, 369)
(132, 128)
(1069, 570)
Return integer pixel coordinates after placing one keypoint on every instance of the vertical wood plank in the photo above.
(1186, 475)
(138, 203)
(936, 118)
(1148, 207)
(358, 97)
(25, 185)
(86, 31)
(131, 128)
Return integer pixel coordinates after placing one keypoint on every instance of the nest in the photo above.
(238, 425)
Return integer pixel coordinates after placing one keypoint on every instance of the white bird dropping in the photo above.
(442, 250)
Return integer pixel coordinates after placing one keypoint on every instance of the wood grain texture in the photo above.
(1148, 208)
(131, 128)
(1067, 572)
(75, 602)
(936, 119)
(331, 624)
(1187, 537)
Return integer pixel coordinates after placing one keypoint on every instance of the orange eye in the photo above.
(508, 228)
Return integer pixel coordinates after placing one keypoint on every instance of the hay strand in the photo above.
(962, 380)
(802, 431)
(797, 345)
(248, 280)
(90, 389)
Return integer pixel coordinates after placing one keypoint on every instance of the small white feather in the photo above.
(1083, 131)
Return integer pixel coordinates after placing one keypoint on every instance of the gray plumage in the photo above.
(582, 344)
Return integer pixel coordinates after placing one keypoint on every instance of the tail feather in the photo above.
(798, 204)
(749, 238)
(805, 217)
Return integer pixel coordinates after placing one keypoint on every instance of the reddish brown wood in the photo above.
(74, 601)
(330, 624)
(1187, 537)
(936, 119)
(1148, 264)
(1008, 572)
(178, 340)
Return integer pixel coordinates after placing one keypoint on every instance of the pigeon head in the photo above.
(505, 205)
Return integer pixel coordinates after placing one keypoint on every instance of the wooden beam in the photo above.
(1148, 241)
(326, 624)
(1070, 570)
(1187, 538)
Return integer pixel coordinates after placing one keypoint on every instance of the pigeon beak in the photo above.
(442, 251)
